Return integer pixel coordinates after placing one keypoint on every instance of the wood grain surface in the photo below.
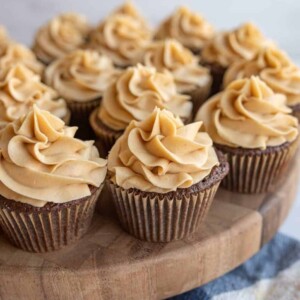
(109, 264)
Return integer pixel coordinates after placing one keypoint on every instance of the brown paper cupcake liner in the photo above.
(198, 97)
(105, 137)
(256, 171)
(296, 111)
(157, 219)
(217, 72)
(166, 217)
(48, 228)
(80, 113)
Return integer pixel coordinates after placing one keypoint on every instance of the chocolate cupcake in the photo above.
(122, 38)
(163, 176)
(49, 182)
(252, 127)
(80, 78)
(14, 54)
(188, 27)
(61, 35)
(275, 68)
(20, 89)
(133, 96)
(227, 47)
(190, 78)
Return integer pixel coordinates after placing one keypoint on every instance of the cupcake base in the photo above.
(105, 136)
(48, 228)
(80, 113)
(256, 171)
(166, 217)
(296, 111)
(217, 73)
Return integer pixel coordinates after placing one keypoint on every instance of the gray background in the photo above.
(278, 19)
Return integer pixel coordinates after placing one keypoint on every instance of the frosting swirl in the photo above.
(63, 34)
(227, 47)
(135, 94)
(130, 10)
(4, 39)
(250, 115)
(82, 75)
(16, 53)
(41, 161)
(160, 154)
(172, 56)
(20, 89)
(122, 38)
(275, 68)
(189, 28)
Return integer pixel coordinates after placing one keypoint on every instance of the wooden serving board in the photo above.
(109, 264)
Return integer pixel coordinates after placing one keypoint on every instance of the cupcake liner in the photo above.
(80, 113)
(47, 229)
(256, 171)
(198, 97)
(217, 72)
(158, 218)
(296, 111)
(105, 137)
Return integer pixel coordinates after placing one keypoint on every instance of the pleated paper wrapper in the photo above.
(158, 218)
(80, 113)
(48, 230)
(257, 172)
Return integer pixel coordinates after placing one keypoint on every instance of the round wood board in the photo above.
(110, 264)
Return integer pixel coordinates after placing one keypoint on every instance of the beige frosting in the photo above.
(135, 94)
(129, 9)
(241, 43)
(63, 34)
(248, 114)
(41, 161)
(16, 53)
(160, 154)
(188, 27)
(122, 38)
(172, 56)
(275, 68)
(20, 89)
(82, 75)
(4, 39)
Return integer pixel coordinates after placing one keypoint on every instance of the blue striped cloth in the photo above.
(272, 274)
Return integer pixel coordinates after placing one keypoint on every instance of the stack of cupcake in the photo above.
(136, 91)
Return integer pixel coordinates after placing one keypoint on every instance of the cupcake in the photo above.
(122, 38)
(49, 182)
(20, 89)
(61, 35)
(276, 69)
(163, 176)
(80, 78)
(190, 78)
(188, 27)
(227, 47)
(252, 127)
(15, 53)
(133, 96)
